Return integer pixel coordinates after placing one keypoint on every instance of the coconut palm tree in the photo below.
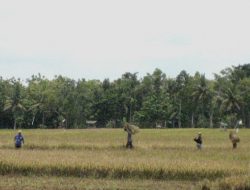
(202, 91)
(14, 104)
(202, 97)
(230, 101)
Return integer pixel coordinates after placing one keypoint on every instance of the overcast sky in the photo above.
(97, 39)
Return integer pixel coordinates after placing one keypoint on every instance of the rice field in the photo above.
(97, 159)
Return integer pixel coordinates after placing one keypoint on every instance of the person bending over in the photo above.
(198, 141)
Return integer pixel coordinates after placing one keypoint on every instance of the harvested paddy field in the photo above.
(97, 159)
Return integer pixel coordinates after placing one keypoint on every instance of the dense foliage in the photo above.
(154, 100)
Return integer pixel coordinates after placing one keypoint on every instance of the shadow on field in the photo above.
(64, 147)
(115, 147)
(111, 172)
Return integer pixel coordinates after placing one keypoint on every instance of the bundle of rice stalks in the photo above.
(133, 128)
(233, 137)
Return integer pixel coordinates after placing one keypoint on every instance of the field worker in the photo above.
(19, 140)
(198, 141)
(129, 138)
(234, 139)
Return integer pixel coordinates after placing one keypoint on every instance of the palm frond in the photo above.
(7, 107)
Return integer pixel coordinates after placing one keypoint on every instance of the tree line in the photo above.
(153, 100)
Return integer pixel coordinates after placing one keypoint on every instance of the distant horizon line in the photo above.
(21, 79)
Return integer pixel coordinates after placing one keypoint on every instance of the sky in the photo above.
(98, 39)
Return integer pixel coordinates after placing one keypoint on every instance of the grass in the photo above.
(165, 156)
(56, 183)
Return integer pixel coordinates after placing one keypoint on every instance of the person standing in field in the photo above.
(234, 139)
(198, 141)
(129, 137)
(19, 139)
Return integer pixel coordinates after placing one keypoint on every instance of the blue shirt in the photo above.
(19, 139)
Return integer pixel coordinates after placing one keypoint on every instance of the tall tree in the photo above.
(14, 103)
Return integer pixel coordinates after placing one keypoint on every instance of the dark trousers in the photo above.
(129, 144)
(18, 146)
(234, 145)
